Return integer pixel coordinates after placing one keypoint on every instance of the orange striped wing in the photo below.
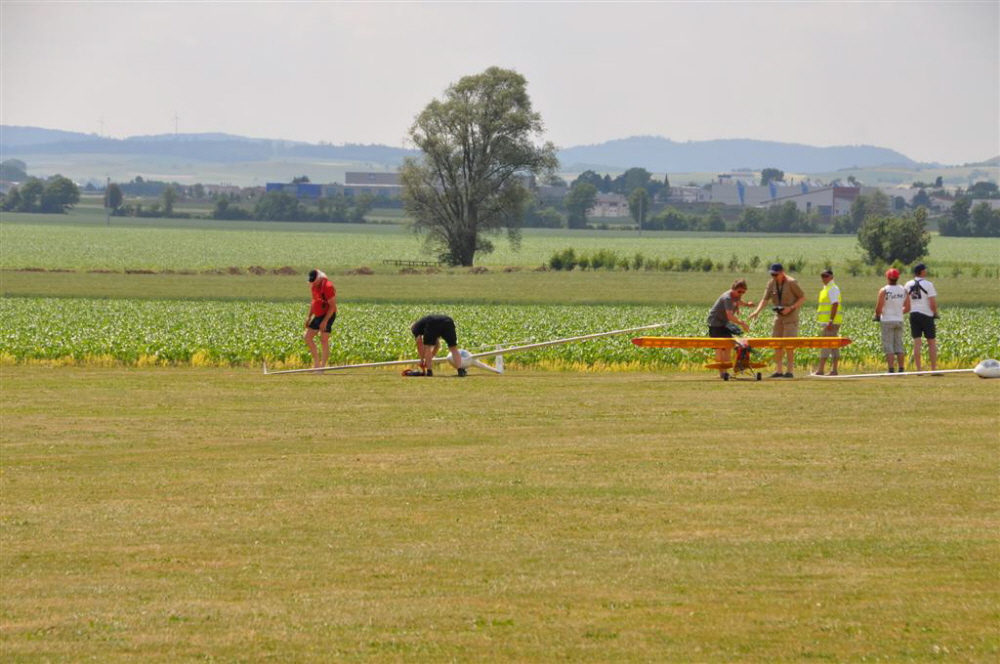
(763, 342)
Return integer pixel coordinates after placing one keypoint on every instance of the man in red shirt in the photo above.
(322, 313)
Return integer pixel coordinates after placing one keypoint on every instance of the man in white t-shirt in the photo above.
(892, 303)
(923, 314)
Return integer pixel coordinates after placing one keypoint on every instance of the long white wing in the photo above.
(491, 353)
(558, 342)
(897, 375)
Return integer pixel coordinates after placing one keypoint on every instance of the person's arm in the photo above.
(879, 301)
(907, 305)
(932, 300)
(731, 315)
(798, 302)
(833, 314)
(760, 305)
(331, 306)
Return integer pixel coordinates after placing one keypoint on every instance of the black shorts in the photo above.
(922, 325)
(315, 322)
(720, 332)
(435, 327)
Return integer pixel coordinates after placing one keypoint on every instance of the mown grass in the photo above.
(213, 514)
(460, 286)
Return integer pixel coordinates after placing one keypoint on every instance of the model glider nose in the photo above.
(988, 369)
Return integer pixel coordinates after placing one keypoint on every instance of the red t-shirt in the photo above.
(323, 294)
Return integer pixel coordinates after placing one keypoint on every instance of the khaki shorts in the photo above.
(824, 353)
(892, 337)
(784, 327)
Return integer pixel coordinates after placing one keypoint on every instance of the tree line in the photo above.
(55, 195)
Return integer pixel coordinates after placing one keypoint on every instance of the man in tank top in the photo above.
(892, 303)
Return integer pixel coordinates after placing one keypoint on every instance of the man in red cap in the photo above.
(322, 313)
(892, 303)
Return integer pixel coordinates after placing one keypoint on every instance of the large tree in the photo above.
(887, 239)
(60, 193)
(581, 198)
(638, 206)
(479, 147)
(113, 197)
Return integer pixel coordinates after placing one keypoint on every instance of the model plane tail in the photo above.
(498, 369)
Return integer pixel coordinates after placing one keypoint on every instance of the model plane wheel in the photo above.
(759, 376)
(725, 375)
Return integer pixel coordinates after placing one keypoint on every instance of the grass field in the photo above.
(198, 513)
(222, 515)
(80, 241)
(459, 286)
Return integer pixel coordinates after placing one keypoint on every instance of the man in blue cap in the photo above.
(923, 315)
(786, 297)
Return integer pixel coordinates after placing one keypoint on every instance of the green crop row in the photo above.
(233, 333)
(194, 245)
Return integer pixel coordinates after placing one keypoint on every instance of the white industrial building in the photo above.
(828, 202)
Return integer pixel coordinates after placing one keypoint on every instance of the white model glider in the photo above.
(469, 359)
(985, 369)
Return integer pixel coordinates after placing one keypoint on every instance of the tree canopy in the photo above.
(886, 238)
(56, 195)
(638, 205)
(771, 175)
(113, 197)
(581, 198)
(479, 149)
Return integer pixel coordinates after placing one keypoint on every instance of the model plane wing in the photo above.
(471, 358)
(761, 342)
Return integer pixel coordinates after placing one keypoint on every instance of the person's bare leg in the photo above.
(324, 340)
(309, 337)
(917, 347)
(932, 353)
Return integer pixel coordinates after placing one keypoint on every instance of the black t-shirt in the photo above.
(435, 326)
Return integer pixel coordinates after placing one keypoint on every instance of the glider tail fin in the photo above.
(498, 369)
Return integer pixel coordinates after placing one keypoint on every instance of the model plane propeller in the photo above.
(470, 359)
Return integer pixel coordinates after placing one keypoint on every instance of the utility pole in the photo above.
(641, 200)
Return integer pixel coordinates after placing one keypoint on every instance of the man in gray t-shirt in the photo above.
(722, 319)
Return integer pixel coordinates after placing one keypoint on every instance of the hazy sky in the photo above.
(919, 77)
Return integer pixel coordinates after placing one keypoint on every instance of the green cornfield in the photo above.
(168, 332)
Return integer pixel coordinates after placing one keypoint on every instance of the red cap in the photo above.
(892, 273)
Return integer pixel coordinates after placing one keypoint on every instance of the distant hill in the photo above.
(661, 155)
(212, 147)
(12, 135)
(653, 153)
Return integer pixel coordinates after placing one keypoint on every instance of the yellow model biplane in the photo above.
(742, 348)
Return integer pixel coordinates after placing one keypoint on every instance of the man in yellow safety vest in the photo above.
(829, 314)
